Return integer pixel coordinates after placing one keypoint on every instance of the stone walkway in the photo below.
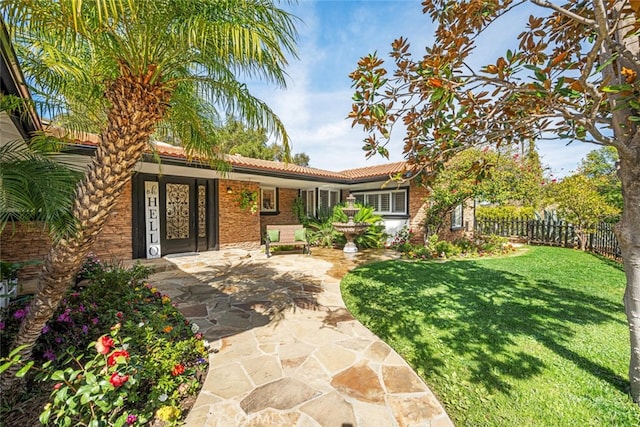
(288, 352)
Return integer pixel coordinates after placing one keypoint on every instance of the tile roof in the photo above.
(248, 164)
(385, 170)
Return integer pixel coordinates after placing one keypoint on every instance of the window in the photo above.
(309, 201)
(327, 199)
(268, 199)
(385, 202)
(456, 217)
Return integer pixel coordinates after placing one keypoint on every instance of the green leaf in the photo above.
(540, 75)
(58, 376)
(606, 63)
(44, 416)
(617, 88)
(15, 351)
(634, 119)
(5, 366)
(23, 371)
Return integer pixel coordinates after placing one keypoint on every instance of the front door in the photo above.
(179, 212)
(173, 214)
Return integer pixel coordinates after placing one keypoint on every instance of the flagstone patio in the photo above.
(288, 353)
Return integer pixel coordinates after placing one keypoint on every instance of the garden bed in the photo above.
(117, 352)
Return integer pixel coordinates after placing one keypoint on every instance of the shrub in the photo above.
(492, 243)
(436, 248)
(401, 241)
(115, 352)
(445, 249)
(466, 245)
(505, 212)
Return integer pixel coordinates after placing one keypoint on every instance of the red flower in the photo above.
(113, 357)
(118, 380)
(57, 386)
(104, 344)
(177, 370)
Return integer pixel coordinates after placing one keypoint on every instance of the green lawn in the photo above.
(538, 339)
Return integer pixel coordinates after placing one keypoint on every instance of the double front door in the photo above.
(179, 215)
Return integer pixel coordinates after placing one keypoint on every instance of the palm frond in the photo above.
(35, 188)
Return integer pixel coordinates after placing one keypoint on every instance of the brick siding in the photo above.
(30, 241)
(285, 216)
(237, 227)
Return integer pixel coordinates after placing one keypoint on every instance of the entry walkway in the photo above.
(288, 352)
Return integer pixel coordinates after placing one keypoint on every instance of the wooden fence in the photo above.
(553, 233)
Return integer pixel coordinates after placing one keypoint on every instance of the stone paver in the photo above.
(288, 351)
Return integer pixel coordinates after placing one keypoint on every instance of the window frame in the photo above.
(457, 217)
(364, 196)
(329, 192)
(274, 207)
(304, 195)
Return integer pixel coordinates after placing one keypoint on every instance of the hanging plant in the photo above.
(248, 200)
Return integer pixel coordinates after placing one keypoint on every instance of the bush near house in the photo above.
(463, 247)
(117, 352)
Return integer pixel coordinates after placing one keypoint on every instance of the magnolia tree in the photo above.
(572, 75)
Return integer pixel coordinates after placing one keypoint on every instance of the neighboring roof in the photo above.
(384, 170)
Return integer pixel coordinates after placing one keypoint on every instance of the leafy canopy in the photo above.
(199, 50)
(560, 82)
(236, 138)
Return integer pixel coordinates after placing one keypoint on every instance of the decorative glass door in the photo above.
(179, 228)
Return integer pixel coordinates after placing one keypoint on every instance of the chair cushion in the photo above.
(300, 235)
(274, 235)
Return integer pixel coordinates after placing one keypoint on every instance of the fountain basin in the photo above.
(350, 230)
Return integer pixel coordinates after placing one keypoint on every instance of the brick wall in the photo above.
(238, 227)
(29, 240)
(26, 241)
(417, 208)
(115, 243)
(286, 197)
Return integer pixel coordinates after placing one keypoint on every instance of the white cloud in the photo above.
(333, 36)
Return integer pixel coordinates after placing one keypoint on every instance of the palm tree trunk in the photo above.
(136, 108)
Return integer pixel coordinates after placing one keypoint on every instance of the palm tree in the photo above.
(34, 187)
(130, 68)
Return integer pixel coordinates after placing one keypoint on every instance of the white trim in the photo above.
(152, 218)
(368, 197)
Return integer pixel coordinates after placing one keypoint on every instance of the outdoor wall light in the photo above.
(229, 190)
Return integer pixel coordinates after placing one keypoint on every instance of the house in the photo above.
(182, 204)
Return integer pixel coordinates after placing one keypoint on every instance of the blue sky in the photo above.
(334, 34)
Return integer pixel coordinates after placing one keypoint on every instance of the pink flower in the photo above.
(131, 419)
(118, 380)
(104, 344)
(20, 314)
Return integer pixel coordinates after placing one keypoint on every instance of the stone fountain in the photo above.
(350, 228)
